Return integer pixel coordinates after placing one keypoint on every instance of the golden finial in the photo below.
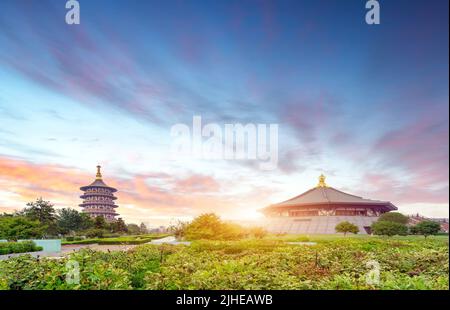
(99, 175)
(322, 181)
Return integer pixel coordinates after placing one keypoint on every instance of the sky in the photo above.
(366, 105)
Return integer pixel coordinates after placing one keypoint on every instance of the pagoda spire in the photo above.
(98, 176)
(322, 181)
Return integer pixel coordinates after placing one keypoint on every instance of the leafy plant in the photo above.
(18, 247)
(389, 228)
(20, 227)
(395, 217)
(427, 228)
(346, 227)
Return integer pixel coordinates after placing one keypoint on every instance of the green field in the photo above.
(335, 262)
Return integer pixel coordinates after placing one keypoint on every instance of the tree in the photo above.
(143, 229)
(258, 232)
(179, 229)
(69, 220)
(40, 210)
(210, 227)
(395, 217)
(20, 227)
(133, 229)
(119, 226)
(86, 221)
(389, 228)
(413, 230)
(427, 228)
(100, 223)
(346, 227)
(44, 212)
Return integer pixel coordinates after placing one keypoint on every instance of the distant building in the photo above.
(98, 199)
(320, 209)
(160, 229)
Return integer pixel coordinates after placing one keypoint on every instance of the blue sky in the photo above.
(367, 105)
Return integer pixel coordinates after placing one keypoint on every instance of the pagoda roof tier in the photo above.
(324, 195)
(94, 212)
(98, 203)
(87, 195)
(98, 184)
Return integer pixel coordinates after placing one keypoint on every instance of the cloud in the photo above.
(139, 196)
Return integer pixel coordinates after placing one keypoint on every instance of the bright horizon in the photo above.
(366, 106)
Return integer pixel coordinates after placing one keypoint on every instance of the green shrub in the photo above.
(395, 217)
(427, 228)
(258, 232)
(211, 227)
(334, 263)
(346, 227)
(20, 227)
(18, 247)
(389, 228)
(95, 232)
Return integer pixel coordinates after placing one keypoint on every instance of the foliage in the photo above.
(346, 227)
(413, 230)
(70, 220)
(18, 247)
(119, 226)
(427, 228)
(95, 232)
(43, 212)
(334, 263)
(100, 223)
(133, 229)
(257, 232)
(179, 229)
(40, 210)
(20, 227)
(389, 228)
(210, 227)
(395, 217)
(143, 229)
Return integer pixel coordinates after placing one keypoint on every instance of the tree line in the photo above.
(39, 219)
(393, 223)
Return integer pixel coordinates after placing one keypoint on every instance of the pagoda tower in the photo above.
(98, 199)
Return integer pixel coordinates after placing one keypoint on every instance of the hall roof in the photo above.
(323, 194)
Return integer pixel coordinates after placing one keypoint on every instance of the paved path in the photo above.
(302, 243)
(169, 240)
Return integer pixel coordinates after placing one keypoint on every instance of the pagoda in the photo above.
(98, 199)
(320, 209)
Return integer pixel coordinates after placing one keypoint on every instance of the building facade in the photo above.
(98, 199)
(320, 209)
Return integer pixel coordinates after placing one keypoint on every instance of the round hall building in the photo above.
(320, 209)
